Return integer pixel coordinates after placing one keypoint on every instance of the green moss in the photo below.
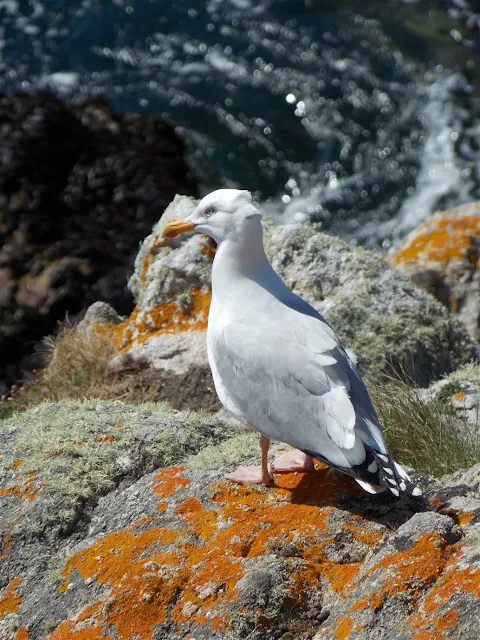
(81, 450)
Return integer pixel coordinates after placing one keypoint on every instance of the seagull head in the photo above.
(222, 214)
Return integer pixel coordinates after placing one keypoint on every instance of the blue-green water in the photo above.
(361, 114)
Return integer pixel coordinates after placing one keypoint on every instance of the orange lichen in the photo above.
(157, 244)
(442, 239)
(160, 573)
(187, 574)
(428, 635)
(208, 247)
(436, 504)
(24, 490)
(169, 480)
(125, 546)
(167, 317)
(367, 537)
(344, 628)
(447, 621)
(22, 634)
(408, 571)
(463, 517)
(341, 576)
(69, 631)
(7, 546)
(454, 303)
(10, 601)
(453, 581)
(18, 462)
(204, 526)
(106, 438)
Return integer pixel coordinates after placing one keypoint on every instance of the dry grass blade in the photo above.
(424, 433)
(76, 363)
(78, 367)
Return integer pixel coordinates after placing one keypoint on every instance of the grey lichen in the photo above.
(420, 340)
(376, 311)
(469, 371)
(78, 451)
(227, 453)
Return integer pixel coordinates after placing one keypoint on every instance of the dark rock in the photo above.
(79, 188)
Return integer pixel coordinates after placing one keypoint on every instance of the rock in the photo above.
(59, 458)
(99, 313)
(171, 285)
(378, 313)
(442, 256)
(461, 390)
(177, 552)
(79, 188)
(387, 322)
(469, 478)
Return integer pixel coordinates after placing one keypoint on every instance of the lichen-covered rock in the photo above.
(80, 187)
(378, 313)
(388, 322)
(57, 459)
(99, 313)
(181, 553)
(443, 256)
(171, 285)
(461, 390)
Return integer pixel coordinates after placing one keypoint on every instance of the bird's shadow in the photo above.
(326, 487)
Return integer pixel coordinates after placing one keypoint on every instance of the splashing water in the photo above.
(365, 119)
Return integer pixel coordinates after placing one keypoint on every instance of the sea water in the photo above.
(363, 115)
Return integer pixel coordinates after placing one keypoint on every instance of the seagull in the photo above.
(277, 365)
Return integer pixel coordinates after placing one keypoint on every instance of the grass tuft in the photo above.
(426, 434)
(77, 367)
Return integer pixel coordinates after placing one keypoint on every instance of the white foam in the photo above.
(440, 171)
(9, 6)
(63, 82)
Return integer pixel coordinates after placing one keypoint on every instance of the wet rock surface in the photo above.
(79, 188)
(177, 552)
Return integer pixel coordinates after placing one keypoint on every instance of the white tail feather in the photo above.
(371, 488)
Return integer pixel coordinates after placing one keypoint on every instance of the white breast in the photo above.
(216, 322)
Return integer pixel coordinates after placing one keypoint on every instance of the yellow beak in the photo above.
(176, 228)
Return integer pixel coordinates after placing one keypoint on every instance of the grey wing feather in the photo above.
(292, 382)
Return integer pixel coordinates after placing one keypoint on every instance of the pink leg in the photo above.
(293, 461)
(254, 475)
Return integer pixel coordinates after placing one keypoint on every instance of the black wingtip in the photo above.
(392, 476)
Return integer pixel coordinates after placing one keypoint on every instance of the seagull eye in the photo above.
(209, 211)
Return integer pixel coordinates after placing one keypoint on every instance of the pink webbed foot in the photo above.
(250, 475)
(293, 461)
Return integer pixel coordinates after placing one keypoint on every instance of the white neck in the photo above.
(241, 256)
